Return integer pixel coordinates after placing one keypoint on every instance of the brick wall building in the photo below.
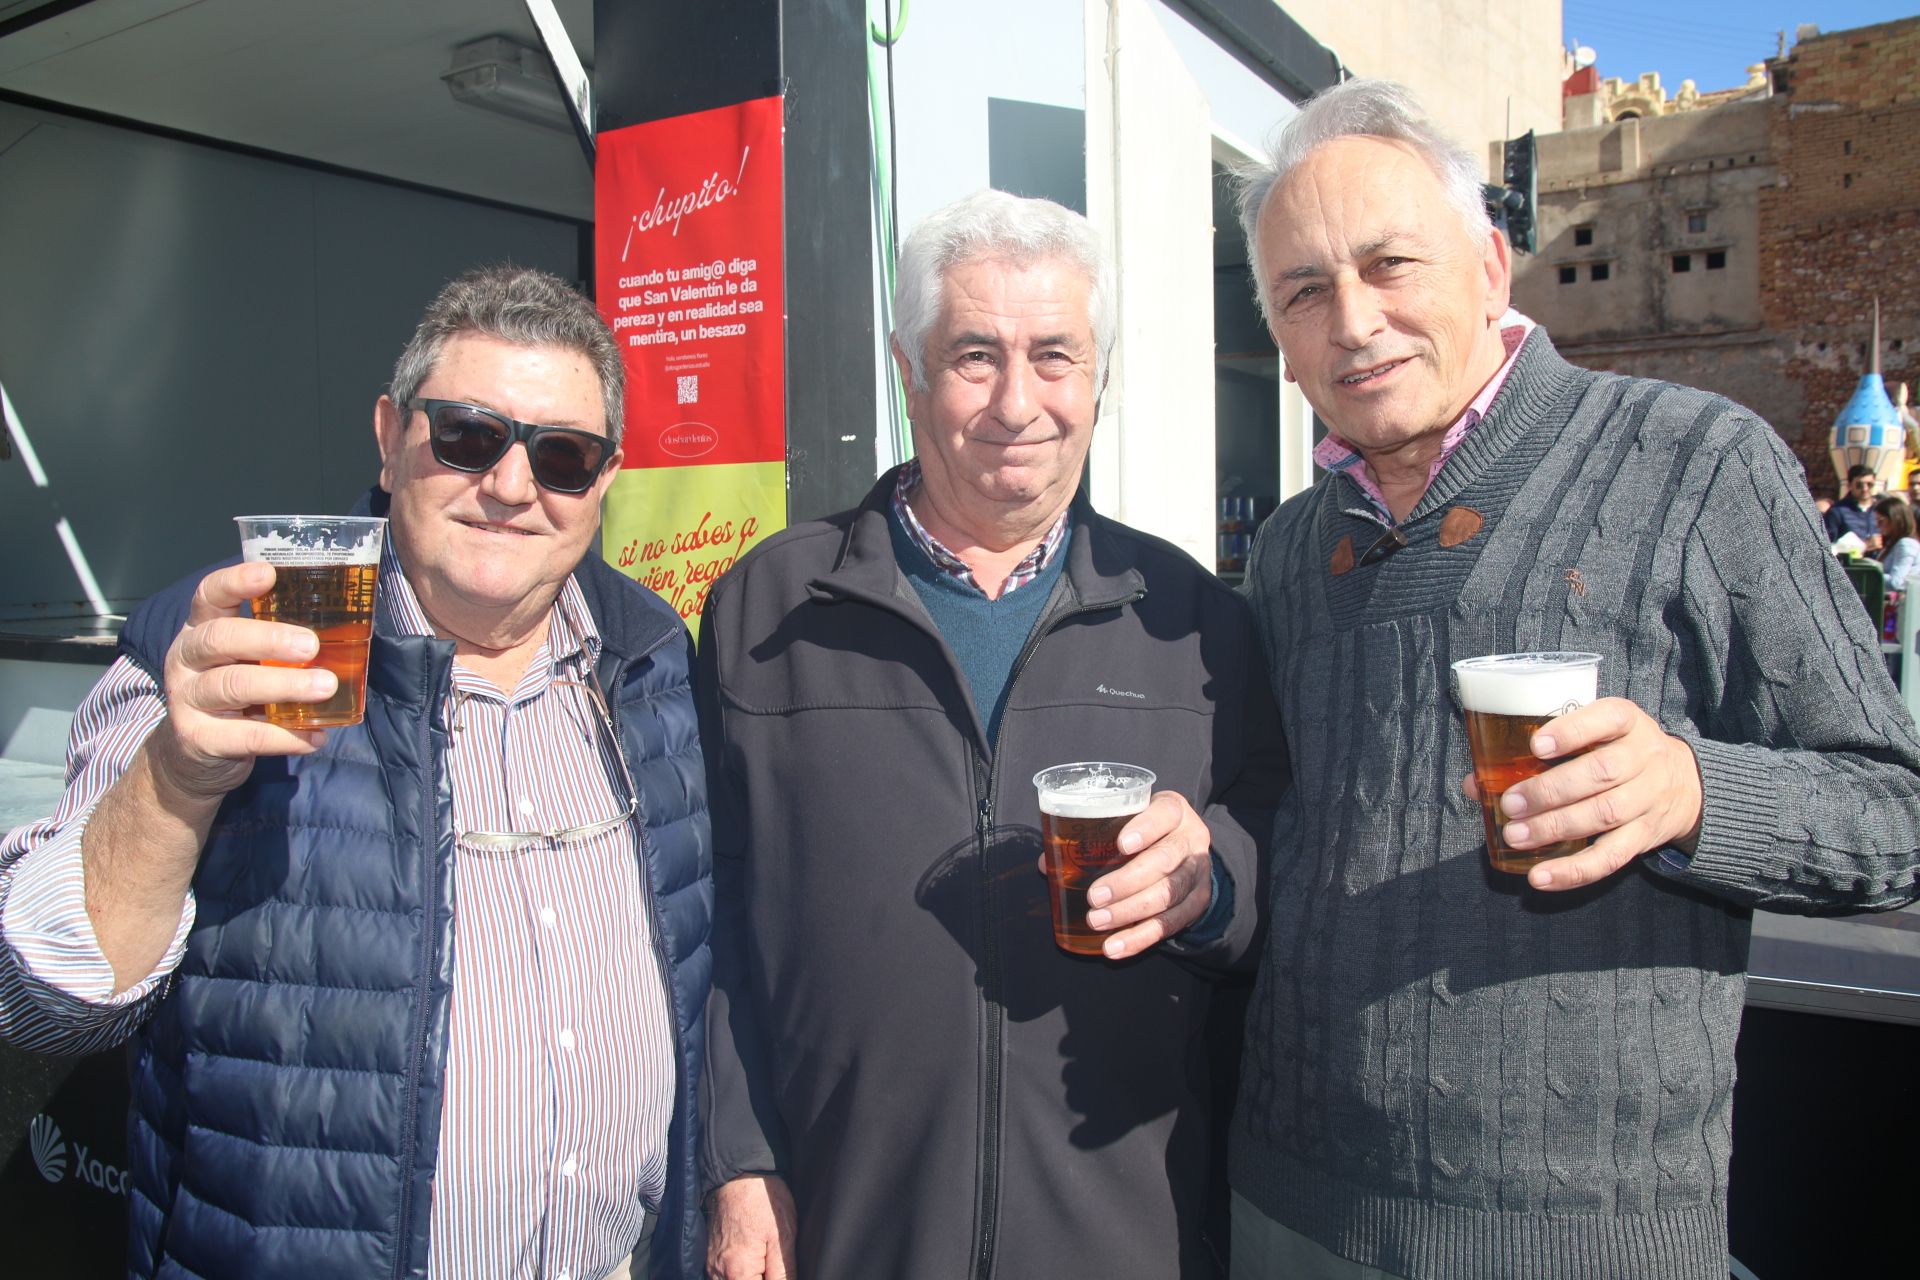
(1739, 247)
(1841, 222)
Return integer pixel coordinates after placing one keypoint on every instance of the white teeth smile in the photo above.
(1353, 380)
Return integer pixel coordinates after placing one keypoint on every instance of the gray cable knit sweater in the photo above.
(1448, 1074)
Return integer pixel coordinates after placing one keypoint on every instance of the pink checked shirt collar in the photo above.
(952, 565)
(1335, 454)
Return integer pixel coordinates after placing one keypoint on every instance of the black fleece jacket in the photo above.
(893, 1029)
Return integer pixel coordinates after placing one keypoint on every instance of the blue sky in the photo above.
(1708, 41)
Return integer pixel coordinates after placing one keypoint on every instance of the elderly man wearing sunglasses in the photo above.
(421, 995)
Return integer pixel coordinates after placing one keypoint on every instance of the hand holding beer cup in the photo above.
(325, 568)
(1622, 780)
(1125, 869)
(216, 679)
(1508, 698)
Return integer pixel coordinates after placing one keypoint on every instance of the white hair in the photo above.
(994, 225)
(1360, 109)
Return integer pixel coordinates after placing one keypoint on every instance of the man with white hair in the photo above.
(908, 1077)
(1451, 1071)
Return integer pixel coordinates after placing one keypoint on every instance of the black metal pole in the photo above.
(654, 59)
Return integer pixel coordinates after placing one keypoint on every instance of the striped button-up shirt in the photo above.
(952, 565)
(560, 1062)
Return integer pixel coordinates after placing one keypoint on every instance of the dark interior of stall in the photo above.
(1246, 393)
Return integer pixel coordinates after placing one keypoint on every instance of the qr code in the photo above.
(688, 390)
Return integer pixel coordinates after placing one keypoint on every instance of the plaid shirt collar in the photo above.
(1335, 454)
(952, 565)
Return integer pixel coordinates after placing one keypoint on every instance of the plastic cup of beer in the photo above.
(324, 569)
(1082, 808)
(1507, 697)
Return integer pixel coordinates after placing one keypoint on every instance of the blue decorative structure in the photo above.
(1869, 429)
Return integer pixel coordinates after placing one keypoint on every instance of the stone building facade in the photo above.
(1485, 69)
(1590, 100)
(1736, 243)
(1842, 223)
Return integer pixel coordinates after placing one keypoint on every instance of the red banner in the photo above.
(687, 238)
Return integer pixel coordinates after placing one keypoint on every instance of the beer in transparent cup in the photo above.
(1507, 697)
(324, 570)
(1082, 809)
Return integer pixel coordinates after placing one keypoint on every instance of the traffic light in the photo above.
(1495, 198)
(1522, 196)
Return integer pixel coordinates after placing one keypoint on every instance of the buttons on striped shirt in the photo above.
(566, 1038)
(570, 1167)
(548, 916)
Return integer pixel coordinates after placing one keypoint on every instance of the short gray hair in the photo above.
(1361, 109)
(987, 225)
(526, 307)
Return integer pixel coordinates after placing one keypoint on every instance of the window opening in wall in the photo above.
(1696, 222)
(1847, 148)
(1600, 271)
(1682, 262)
(1583, 235)
(1569, 274)
(1846, 179)
(1716, 259)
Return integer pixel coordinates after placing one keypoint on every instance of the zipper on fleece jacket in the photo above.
(994, 1012)
(993, 1023)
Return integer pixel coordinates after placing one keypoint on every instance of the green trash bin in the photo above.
(1870, 580)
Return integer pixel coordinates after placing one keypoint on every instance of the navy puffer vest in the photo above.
(286, 1093)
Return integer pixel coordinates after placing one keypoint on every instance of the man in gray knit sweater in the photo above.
(1452, 1072)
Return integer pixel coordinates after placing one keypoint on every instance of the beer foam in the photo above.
(1095, 797)
(294, 542)
(1534, 685)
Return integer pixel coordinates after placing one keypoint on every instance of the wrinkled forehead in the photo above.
(1355, 189)
(554, 383)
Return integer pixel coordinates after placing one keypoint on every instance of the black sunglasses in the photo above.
(467, 437)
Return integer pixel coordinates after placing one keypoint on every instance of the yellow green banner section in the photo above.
(676, 529)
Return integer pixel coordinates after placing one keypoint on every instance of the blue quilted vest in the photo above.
(287, 1091)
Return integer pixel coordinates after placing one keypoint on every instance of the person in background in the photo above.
(1900, 549)
(326, 1086)
(1854, 512)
